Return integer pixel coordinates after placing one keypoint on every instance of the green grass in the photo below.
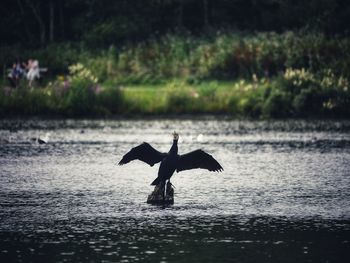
(144, 99)
(178, 97)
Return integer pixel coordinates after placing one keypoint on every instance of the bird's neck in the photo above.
(174, 147)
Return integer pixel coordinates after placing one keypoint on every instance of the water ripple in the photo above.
(284, 193)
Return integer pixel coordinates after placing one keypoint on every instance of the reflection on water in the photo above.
(284, 195)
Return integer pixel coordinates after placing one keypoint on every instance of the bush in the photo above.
(180, 98)
(233, 106)
(110, 100)
(300, 92)
(80, 99)
(24, 101)
(207, 91)
(278, 105)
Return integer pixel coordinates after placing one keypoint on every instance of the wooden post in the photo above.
(158, 197)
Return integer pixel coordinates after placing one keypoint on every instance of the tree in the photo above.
(35, 7)
(52, 19)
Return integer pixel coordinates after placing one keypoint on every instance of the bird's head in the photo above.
(176, 136)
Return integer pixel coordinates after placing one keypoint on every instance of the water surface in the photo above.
(284, 195)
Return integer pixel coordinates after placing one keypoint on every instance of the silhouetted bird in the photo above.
(171, 161)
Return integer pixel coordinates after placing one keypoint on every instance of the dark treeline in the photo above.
(100, 23)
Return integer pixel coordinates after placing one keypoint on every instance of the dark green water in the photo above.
(283, 196)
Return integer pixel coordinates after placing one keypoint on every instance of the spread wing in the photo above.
(144, 152)
(198, 159)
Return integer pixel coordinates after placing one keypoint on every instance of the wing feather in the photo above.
(144, 152)
(198, 159)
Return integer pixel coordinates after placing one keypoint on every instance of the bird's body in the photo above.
(171, 161)
(168, 165)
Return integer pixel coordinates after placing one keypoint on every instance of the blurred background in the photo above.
(266, 58)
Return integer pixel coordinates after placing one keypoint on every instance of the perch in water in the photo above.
(169, 163)
(159, 197)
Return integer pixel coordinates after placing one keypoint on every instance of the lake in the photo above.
(284, 194)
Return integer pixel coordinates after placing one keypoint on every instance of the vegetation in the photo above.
(263, 62)
(294, 74)
(296, 93)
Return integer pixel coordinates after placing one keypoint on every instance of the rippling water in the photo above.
(284, 195)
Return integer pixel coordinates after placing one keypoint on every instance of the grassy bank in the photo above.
(294, 94)
(293, 74)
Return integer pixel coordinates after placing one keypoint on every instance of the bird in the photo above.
(41, 139)
(171, 161)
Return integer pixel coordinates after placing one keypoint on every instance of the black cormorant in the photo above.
(171, 161)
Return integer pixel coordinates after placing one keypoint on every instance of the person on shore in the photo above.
(33, 71)
(17, 72)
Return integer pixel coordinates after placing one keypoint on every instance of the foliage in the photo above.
(292, 74)
(220, 55)
(80, 97)
(109, 101)
(230, 55)
(281, 97)
(179, 98)
(23, 101)
(303, 93)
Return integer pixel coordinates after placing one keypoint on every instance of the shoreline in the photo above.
(185, 116)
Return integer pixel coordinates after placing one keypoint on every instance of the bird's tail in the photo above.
(156, 181)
